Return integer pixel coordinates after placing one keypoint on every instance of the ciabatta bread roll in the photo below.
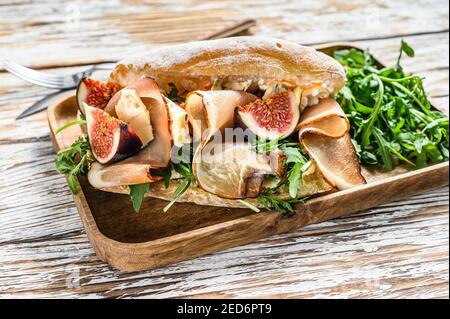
(258, 66)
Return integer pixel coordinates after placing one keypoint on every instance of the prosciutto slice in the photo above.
(323, 132)
(221, 167)
(210, 112)
(137, 169)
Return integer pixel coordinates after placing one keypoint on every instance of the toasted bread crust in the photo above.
(195, 65)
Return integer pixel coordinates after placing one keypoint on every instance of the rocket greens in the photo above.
(391, 118)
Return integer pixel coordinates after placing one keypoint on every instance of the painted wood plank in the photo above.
(371, 254)
(400, 249)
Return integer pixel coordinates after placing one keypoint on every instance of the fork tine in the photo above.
(36, 79)
(30, 72)
(39, 82)
(25, 72)
(45, 79)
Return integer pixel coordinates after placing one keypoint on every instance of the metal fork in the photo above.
(61, 82)
(52, 81)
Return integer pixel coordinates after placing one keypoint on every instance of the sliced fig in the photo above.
(133, 111)
(111, 139)
(156, 154)
(94, 93)
(272, 118)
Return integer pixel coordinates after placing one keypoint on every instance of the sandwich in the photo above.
(237, 122)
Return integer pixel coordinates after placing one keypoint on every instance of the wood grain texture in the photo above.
(398, 250)
(371, 254)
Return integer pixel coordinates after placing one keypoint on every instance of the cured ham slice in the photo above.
(233, 171)
(323, 132)
(226, 169)
(120, 174)
(137, 169)
(213, 111)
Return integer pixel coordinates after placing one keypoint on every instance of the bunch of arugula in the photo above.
(392, 120)
(74, 160)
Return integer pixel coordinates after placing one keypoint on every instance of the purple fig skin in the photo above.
(129, 144)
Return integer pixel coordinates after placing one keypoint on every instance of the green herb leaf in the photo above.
(404, 47)
(137, 193)
(183, 166)
(249, 206)
(378, 97)
(74, 160)
(77, 122)
(383, 149)
(184, 185)
(167, 175)
(297, 163)
(294, 178)
(269, 200)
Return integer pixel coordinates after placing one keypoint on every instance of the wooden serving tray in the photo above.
(137, 241)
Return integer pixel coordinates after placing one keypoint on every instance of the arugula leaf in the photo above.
(404, 47)
(184, 185)
(74, 160)
(295, 175)
(182, 165)
(167, 175)
(294, 179)
(267, 146)
(378, 97)
(297, 163)
(296, 160)
(76, 122)
(249, 205)
(137, 193)
(269, 200)
(383, 149)
(188, 179)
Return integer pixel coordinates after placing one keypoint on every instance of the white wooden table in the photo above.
(397, 250)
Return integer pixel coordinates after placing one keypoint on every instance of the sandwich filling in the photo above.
(219, 134)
